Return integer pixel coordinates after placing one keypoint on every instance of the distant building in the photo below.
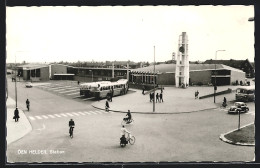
(199, 74)
(243, 65)
(33, 72)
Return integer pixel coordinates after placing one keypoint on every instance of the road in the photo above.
(167, 137)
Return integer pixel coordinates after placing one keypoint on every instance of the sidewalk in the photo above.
(175, 100)
(15, 130)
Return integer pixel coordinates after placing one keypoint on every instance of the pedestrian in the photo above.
(78, 82)
(157, 97)
(107, 105)
(161, 89)
(111, 94)
(151, 97)
(198, 94)
(195, 94)
(143, 90)
(16, 115)
(161, 97)
(225, 100)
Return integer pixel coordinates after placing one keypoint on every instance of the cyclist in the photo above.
(129, 116)
(123, 131)
(71, 125)
(28, 104)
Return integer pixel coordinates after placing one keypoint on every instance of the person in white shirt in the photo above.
(123, 132)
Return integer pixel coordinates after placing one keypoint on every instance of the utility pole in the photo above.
(154, 81)
(15, 82)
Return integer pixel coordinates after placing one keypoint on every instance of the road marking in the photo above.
(75, 113)
(44, 116)
(72, 93)
(31, 118)
(38, 117)
(99, 112)
(57, 115)
(41, 128)
(87, 112)
(69, 91)
(81, 113)
(51, 116)
(93, 112)
(69, 114)
(63, 114)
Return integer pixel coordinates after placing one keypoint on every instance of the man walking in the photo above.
(157, 97)
(143, 90)
(161, 97)
(16, 115)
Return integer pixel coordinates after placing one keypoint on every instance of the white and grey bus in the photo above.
(245, 94)
(104, 90)
(85, 88)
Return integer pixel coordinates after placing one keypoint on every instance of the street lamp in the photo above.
(92, 74)
(154, 80)
(15, 82)
(215, 84)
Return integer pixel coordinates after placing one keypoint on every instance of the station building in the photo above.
(33, 72)
(199, 74)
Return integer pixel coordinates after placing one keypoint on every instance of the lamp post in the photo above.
(92, 74)
(154, 81)
(215, 84)
(15, 82)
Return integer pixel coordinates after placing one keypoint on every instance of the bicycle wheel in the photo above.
(132, 140)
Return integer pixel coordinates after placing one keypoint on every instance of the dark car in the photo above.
(238, 107)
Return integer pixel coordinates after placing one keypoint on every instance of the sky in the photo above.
(106, 33)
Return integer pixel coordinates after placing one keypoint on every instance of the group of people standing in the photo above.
(159, 98)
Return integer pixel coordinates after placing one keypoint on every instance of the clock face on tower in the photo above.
(181, 49)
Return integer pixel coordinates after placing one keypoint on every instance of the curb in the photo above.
(222, 137)
(118, 111)
(9, 130)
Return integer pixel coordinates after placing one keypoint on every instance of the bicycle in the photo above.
(130, 138)
(125, 121)
(71, 132)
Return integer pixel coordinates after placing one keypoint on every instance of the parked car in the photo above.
(238, 107)
(28, 85)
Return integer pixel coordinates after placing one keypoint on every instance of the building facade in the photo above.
(199, 74)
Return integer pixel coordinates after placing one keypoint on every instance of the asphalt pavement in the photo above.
(175, 100)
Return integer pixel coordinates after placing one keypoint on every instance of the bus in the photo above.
(245, 94)
(103, 90)
(85, 88)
